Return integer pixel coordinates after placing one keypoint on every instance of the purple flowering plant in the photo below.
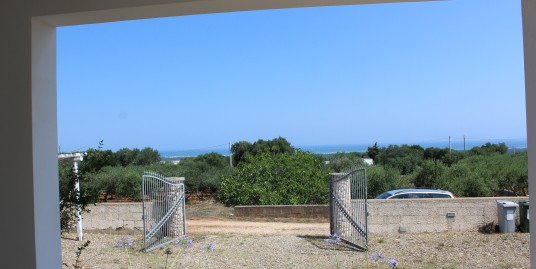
(211, 247)
(125, 242)
(376, 257)
(333, 239)
(392, 262)
(185, 242)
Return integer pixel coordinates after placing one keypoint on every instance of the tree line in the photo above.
(269, 172)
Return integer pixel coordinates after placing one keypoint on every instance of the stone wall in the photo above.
(433, 215)
(385, 216)
(114, 215)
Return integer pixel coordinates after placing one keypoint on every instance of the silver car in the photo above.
(415, 193)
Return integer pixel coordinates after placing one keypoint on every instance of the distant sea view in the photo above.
(456, 144)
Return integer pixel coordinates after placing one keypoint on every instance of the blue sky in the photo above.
(388, 73)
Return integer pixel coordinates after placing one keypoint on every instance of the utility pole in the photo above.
(463, 143)
(450, 149)
(230, 155)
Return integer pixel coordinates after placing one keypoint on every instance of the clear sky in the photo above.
(391, 73)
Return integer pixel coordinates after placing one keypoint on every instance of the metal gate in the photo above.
(164, 218)
(348, 207)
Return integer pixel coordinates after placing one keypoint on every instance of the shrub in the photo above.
(341, 162)
(265, 179)
(70, 199)
(381, 179)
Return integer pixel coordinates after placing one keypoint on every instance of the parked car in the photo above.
(415, 193)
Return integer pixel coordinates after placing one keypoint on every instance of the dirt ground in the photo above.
(289, 243)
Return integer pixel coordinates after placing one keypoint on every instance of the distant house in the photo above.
(368, 161)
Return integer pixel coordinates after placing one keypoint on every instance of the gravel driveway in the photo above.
(246, 244)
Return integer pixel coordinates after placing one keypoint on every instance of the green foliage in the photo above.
(240, 151)
(489, 148)
(435, 153)
(265, 179)
(146, 156)
(115, 181)
(488, 175)
(514, 176)
(453, 157)
(373, 152)
(342, 162)
(69, 198)
(243, 149)
(381, 179)
(96, 159)
(272, 172)
(203, 173)
(428, 174)
(404, 158)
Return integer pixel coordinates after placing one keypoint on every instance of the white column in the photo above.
(45, 146)
(79, 226)
(529, 43)
(29, 200)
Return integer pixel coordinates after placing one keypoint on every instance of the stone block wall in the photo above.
(385, 216)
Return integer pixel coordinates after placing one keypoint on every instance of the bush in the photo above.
(115, 182)
(70, 199)
(429, 173)
(341, 162)
(282, 179)
(202, 173)
(381, 179)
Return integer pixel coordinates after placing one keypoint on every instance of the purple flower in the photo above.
(376, 257)
(333, 239)
(125, 242)
(184, 242)
(211, 247)
(392, 262)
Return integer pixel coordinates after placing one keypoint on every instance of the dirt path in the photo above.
(218, 226)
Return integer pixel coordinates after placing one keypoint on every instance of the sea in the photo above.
(513, 146)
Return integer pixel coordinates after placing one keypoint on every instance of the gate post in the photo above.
(164, 219)
(340, 188)
(177, 223)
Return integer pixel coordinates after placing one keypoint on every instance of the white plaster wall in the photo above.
(529, 46)
(28, 108)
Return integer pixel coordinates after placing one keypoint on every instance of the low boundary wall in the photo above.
(385, 216)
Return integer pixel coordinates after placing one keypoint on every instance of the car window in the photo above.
(440, 195)
(384, 195)
(411, 196)
(420, 195)
(400, 196)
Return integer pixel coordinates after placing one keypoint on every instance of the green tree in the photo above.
(285, 178)
(429, 173)
(404, 158)
(126, 156)
(373, 152)
(342, 162)
(241, 150)
(147, 156)
(70, 199)
(490, 148)
(514, 176)
(435, 153)
(96, 159)
(381, 179)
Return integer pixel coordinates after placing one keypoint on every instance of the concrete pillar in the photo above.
(28, 107)
(341, 189)
(529, 44)
(29, 164)
(177, 222)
